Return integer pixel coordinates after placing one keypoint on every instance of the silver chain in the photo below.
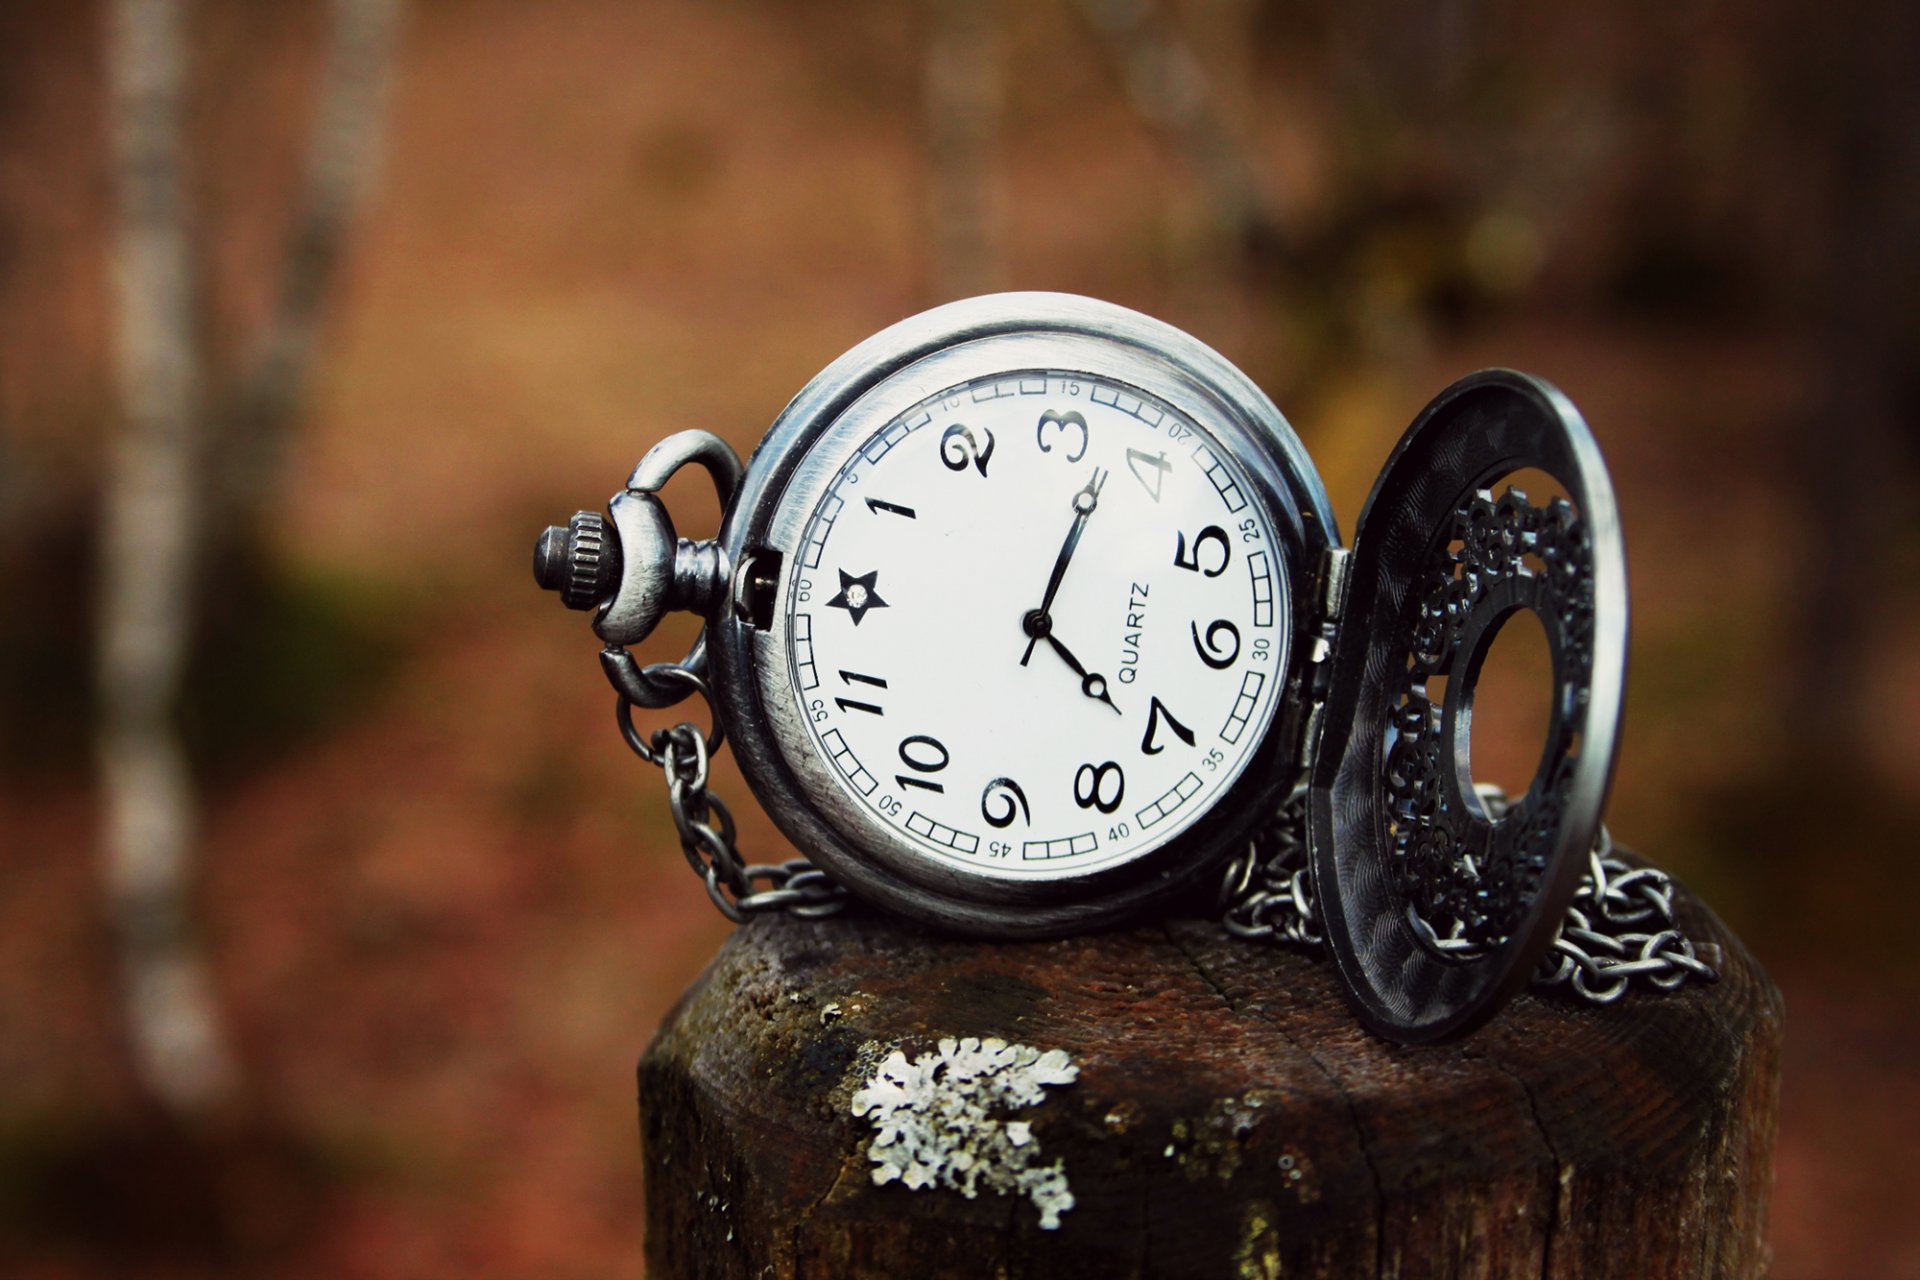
(740, 889)
(1619, 927)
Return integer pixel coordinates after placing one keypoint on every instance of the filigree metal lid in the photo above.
(1437, 904)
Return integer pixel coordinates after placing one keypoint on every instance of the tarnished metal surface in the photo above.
(1435, 910)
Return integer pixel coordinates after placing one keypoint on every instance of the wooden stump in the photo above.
(1228, 1117)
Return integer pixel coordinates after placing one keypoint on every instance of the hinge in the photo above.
(1308, 691)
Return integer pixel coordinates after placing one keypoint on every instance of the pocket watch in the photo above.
(1028, 610)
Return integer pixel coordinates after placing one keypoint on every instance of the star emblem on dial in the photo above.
(857, 595)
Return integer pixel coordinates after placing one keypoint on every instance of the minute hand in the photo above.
(1084, 502)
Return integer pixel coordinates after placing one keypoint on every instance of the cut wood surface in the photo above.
(1223, 1115)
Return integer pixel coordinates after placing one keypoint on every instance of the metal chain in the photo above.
(740, 889)
(1620, 926)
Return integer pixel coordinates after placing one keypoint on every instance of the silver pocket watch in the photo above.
(1030, 610)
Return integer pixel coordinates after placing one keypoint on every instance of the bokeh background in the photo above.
(438, 905)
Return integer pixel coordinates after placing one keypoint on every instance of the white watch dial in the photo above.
(1038, 624)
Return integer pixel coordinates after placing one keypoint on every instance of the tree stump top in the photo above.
(1209, 1105)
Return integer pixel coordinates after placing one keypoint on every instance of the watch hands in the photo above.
(1040, 620)
(1092, 683)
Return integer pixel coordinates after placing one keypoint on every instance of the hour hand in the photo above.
(1092, 683)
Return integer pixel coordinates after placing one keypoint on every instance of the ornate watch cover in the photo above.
(1435, 912)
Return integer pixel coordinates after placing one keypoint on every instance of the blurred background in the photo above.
(333, 915)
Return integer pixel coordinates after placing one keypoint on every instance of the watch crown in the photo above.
(578, 560)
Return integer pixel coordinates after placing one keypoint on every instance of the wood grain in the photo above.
(1630, 1141)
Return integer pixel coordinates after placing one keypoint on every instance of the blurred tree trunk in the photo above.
(963, 95)
(343, 159)
(161, 489)
(148, 563)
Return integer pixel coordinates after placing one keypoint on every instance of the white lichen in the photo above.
(942, 1120)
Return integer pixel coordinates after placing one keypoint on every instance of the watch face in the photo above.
(1036, 622)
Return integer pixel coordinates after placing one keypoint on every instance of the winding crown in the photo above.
(578, 560)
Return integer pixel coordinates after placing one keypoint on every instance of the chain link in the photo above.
(1619, 927)
(740, 889)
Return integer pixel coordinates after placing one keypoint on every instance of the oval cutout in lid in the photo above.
(1438, 902)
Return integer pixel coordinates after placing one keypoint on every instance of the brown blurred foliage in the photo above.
(443, 905)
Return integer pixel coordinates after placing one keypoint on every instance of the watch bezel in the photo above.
(939, 349)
